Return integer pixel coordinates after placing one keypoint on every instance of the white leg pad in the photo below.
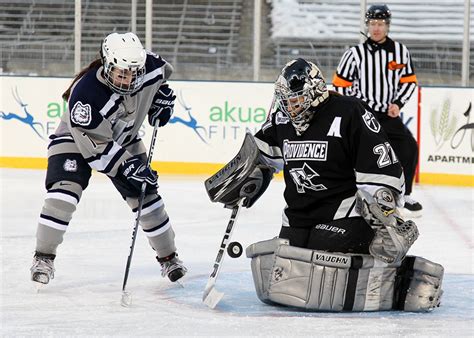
(420, 283)
(322, 281)
(262, 264)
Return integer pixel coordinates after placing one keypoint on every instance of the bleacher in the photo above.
(38, 36)
(198, 32)
(36, 33)
(212, 39)
(434, 20)
(323, 30)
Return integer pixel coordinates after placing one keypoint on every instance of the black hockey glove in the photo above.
(136, 172)
(162, 107)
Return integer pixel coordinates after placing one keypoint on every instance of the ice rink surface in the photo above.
(84, 298)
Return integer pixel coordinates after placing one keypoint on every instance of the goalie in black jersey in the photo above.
(108, 102)
(342, 244)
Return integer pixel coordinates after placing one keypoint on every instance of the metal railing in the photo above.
(203, 39)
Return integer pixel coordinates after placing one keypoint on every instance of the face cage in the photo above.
(135, 84)
(284, 96)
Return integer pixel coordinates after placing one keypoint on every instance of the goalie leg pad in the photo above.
(418, 285)
(262, 257)
(322, 281)
(309, 279)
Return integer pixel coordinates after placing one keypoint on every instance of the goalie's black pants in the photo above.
(404, 145)
(347, 235)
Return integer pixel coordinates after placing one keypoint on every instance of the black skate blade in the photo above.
(176, 274)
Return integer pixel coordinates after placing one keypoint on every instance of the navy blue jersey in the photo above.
(103, 123)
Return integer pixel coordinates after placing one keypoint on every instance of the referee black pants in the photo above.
(404, 145)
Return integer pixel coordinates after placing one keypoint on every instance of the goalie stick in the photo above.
(211, 296)
(126, 296)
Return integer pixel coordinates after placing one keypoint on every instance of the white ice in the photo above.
(84, 297)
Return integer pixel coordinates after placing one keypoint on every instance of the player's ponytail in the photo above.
(94, 64)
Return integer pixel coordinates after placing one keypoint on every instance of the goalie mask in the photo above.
(123, 57)
(299, 87)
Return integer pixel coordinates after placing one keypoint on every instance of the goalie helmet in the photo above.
(378, 12)
(299, 87)
(123, 58)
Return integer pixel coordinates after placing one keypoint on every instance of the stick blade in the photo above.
(212, 297)
(126, 300)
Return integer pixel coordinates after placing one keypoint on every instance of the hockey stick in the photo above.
(126, 296)
(211, 296)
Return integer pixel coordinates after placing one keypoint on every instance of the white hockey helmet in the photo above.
(123, 57)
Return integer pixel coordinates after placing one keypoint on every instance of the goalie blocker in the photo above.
(244, 177)
(323, 281)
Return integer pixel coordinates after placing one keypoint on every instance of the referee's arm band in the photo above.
(409, 78)
(340, 82)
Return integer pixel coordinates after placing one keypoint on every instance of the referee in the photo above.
(380, 72)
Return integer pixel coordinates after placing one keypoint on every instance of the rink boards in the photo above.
(211, 119)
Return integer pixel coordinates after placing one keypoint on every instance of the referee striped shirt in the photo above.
(379, 74)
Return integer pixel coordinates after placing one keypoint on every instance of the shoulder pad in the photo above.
(88, 96)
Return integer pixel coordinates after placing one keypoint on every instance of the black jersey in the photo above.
(343, 149)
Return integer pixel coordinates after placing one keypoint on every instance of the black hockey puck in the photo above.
(234, 249)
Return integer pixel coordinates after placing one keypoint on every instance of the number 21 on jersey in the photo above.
(386, 154)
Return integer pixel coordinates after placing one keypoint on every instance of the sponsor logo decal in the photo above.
(27, 119)
(331, 259)
(450, 130)
(371, 122)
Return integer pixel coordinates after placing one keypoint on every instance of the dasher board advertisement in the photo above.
(447, 136)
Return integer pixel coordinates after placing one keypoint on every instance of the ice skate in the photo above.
(42, 270)
(411, 209)
(172, 267)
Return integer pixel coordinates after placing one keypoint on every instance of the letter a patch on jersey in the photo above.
(81, 114)
(371, 122)
(335, 129)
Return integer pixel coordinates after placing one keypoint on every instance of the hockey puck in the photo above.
(234, 249)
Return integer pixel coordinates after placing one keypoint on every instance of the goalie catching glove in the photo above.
(244, 177)
(393, 236)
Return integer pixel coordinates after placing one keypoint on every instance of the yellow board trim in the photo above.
(191, 168)
(447, 179)
(23, 162)
(187, 168)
